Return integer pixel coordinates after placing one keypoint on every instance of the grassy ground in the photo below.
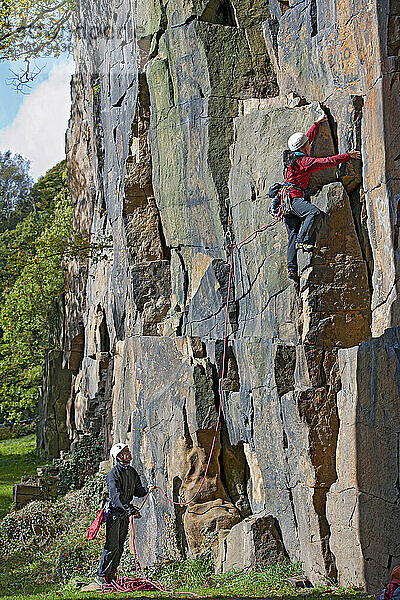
(17, 458)
(339, 594)
(196, 576)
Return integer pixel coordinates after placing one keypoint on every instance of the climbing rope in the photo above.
(124, 583)
(140, 582)
(237, 246)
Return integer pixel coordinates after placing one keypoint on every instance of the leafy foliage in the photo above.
(11, 431)
(15, 187)
(82, 463)
(31, 281)
(17, 457)
(45, 543)
(29, 27)
(32, 258)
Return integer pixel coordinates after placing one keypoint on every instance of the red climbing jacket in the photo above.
(309, 164)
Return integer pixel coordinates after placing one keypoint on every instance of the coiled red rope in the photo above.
(125, 583)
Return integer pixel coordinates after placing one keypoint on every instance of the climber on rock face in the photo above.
(123, 484)
(300, 216)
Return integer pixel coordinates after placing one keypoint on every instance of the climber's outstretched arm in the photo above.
(311, 164)
(312, 132)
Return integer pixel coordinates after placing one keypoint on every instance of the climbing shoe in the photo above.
(305, 247)
(100, 580)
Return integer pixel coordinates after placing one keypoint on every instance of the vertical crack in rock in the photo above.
(272, 27)
(149, 255)
(187, 436)
(181, 540)
(314, 17)
(104, 336)
(284, 369)
(353, 184)
(95, 91)
(318, 407)
(293, 509)
(235, 471)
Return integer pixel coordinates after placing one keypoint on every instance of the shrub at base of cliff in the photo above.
(17, 430)
(45, 544)
(80, 465)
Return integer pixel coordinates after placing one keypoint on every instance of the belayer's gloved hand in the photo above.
(133, 511)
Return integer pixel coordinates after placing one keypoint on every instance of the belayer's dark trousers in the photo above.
(117, 526)
(301, 224)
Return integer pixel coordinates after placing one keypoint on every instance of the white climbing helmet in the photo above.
(297, 141)
(116, 449)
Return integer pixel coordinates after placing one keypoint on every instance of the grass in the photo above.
(313, 594)
(196, 576)
(17, 457)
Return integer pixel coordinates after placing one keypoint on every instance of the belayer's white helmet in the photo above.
(116, 449)
(297, 141)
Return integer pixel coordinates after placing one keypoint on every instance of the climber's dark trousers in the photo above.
(117, 526)
(301, 225)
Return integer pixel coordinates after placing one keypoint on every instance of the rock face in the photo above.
(181, 111)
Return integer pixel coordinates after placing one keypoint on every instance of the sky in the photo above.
(34, 124)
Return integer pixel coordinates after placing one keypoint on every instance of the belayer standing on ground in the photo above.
(123, 484)
(392, 590)
(300, 216)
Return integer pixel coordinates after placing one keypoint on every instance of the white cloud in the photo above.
(38, 130)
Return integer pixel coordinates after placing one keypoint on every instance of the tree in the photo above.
(32, 258)
(15, 187)
(31, 281)
(32, 29)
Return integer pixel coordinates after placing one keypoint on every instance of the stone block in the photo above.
(255, 542)
(23, 493)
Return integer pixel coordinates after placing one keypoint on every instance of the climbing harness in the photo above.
(286, 200)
